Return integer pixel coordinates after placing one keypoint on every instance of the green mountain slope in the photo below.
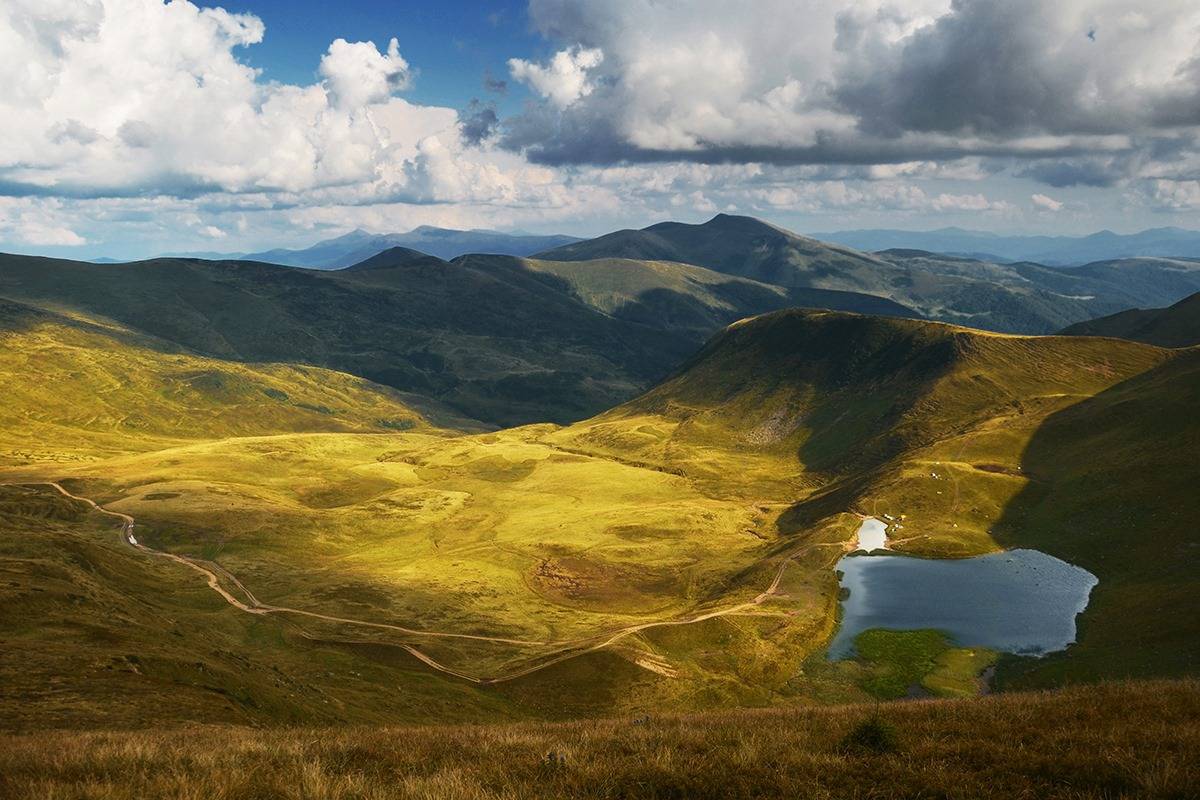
(1176, 326)
(1143, 282)
(1112, 487)
(496, 338)
(1018, 298)
(1081, 447)
(75, 389)
(740, 246)
(674, 553)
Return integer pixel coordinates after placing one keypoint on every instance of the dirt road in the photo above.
(569, 649)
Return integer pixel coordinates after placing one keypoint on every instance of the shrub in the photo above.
(872, 735)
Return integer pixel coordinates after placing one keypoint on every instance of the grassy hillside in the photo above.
(1115, 740)
(97, 634)
(1079, 447)
(734, 245)
(1111, 486)
(495, 338)
(1144, 282)
(1017, 298)
(675, 296)
(675, 553)
(1176, 326)
(80, 389)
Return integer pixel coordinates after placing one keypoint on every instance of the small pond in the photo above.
(1018, 601)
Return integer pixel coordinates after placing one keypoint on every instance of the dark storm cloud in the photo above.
(1019, 79)
(997, 68)
(477, 121)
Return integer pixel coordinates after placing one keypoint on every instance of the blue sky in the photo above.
(454, 44)
(135, 127)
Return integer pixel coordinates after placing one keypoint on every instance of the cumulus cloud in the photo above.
(870, 82)
(1170, 195)
(31, 222)
(143, 117)
(356, 74)
(137, 97)
(564, 79)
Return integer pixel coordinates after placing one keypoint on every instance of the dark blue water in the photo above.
(1019, 601)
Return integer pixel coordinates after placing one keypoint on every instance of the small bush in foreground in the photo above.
(872, 735)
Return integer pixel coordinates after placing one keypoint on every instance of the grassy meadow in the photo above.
(1105, 741)
(674, 554)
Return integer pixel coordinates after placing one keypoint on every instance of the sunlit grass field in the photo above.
(674, 554)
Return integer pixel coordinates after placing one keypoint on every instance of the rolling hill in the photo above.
(495, 338)
(734, 245)
(83, 388)
(1016, 298)
(1027, 436)
(1176, 326)
(675, 553)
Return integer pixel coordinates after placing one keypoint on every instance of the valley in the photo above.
(403, 400)
(676, 552)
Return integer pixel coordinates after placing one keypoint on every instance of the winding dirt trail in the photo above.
(213, 574)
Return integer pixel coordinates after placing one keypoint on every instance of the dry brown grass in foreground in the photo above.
(1110, 741)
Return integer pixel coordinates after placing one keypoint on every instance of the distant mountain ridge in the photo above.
(1175, 326)
(500, 339)
(359, 245)
(1048, 250)
(1009, 298)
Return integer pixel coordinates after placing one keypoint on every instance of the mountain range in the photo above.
(359, 245)
(619, 565)
(505, 340)
(499, 339)
(1049, 250)
(1011, 298)
(603, 481)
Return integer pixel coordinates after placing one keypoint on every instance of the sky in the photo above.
(136, 127)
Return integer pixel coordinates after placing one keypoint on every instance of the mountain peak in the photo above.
(395, 257)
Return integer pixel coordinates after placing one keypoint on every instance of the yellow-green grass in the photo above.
(913, 663)
(79, 389)
(96, 634)
(967, 442)
(1120, 740)
(676, 552)
(498, 534)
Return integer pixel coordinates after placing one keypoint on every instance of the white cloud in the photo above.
(872, 82)
(1170, 195)
(1045, 203)
(358, 75)
(139, 120)
(25, 221)
(118, 97)
(565, 79)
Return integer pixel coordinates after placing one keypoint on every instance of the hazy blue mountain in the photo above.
(359, 245)
(1049, 250)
